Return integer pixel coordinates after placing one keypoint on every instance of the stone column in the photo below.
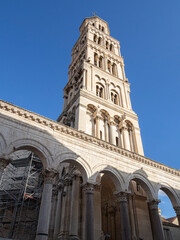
(177, 210)
(97, 126)
(58, 210)
(111, 211)
(64, 228)
(74, 215)
(89, 215)
(53, 212)
(133, 227)
(124, 215)
(45, 208)
(112, 132)
(155, 221)
(106, 129)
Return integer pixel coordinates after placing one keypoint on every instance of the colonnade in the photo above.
(120, 134)
(66, 219)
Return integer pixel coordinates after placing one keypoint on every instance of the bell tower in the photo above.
(97, 95)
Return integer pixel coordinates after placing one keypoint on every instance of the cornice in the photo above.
(25, 114)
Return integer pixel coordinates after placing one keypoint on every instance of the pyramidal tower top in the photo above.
(97, 95)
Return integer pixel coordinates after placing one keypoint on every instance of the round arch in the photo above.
(113, 173)
(79, 162)
(171, 193)
(32, 145)
(144, 182)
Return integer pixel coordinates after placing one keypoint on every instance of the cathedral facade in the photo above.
(85, 176)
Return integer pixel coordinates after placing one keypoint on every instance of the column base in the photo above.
(73, 237)
(63, 236)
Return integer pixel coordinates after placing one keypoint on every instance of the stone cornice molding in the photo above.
(43, 121)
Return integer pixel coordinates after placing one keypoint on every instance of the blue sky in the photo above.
(36, 38)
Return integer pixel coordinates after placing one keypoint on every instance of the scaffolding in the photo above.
(20, 196)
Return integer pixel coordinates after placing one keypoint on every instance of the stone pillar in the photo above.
(155, 221)
(111, 211)
(124, 215)
(45, 208)
(106, 130)
(64, 228)
(112, 133)
(58, 210)
(74, 215)
(53, 212)
(89, 215)
(97, 126)
(133, 227)
(84, 85)
(177, 210)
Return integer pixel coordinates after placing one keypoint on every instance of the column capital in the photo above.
(49, 174)
(122, 196)
(177, 210)
(89, 188)
(154, 204)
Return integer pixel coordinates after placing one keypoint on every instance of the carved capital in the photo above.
(122, 196)
(49, 175)
(177, 210)
(89, 188)
(153, 205)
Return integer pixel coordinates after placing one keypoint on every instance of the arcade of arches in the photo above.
(84, 176)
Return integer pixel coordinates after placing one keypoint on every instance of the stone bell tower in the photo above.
(97, 95)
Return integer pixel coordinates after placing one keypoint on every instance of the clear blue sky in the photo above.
(36, 38)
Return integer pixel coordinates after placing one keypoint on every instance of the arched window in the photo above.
(95, 38)
(107, 45)
(111, 48)
(109, 66)
(101, 62)
(103, 29)
(114, 69)
(131, 136)
(99, 91)
(95, 59)
(99, 40)
(99, 27)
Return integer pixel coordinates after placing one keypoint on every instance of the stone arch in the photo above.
(144, 182)
(113, 173)
(2, 144)
(170, 191)
(32, 145)
(79, 162)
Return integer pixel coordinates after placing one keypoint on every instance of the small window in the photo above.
(117, 141)
(95, 38)
(101, 135)
(103, 29)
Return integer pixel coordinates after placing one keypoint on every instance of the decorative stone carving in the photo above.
(49, 175)
(89, 188)
(122, 196)
(154, 204)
